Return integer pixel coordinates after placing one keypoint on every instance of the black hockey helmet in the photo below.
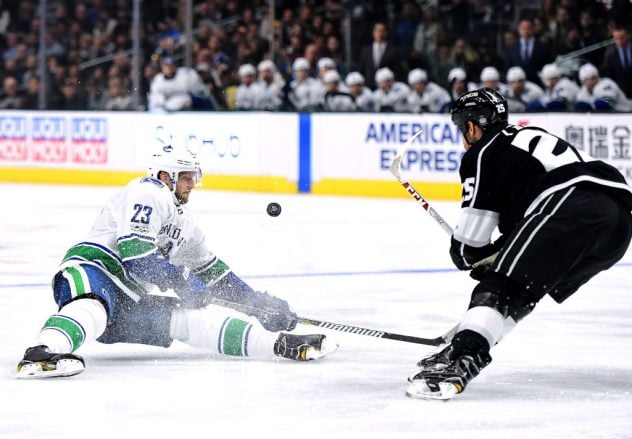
(485, 107)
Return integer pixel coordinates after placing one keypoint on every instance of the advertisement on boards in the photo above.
(363, 146)
(42, 139)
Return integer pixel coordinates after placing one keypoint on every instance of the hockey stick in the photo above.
(427, 207)
(248, 310)
(414, 193)
(438, 341)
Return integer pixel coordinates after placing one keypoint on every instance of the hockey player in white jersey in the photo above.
(523, 95)
(490, 78)
(362, 94)
(562, 216)
(560, 92)
(390, 95)
(334, 99)
(269, 89)
(304, 90)
(426, 96)
(459, 85)
(601, 94)
(175, 88)
(146, 239)
(245, 96)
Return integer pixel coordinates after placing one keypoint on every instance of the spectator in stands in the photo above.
(523, 95)
(31, 96)
(362, 94)
(618, 62)
(465, 56)
(529, 52)
(390, 95)
(601, 94)
(176, 89)
(380, 54)
(560, 92)
(73, 96)
(11, 97)
(426, 96)
(334, 99)
(117, 97)
(245, 96)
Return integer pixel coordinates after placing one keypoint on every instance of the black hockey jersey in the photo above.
(507, 173)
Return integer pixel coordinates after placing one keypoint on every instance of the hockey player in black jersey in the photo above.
(563, 217)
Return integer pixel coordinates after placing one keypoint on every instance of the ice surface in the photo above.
(566, 371)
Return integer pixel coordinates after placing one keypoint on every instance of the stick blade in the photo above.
(395, 167)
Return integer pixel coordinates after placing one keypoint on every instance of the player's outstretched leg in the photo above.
(447, 372)
(40, 362)
(303, 347)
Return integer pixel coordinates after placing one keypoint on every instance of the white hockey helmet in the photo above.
(384, 74)
(516, 73)
(300, 64)
(490, 73)
(173, 161)
(331, 76)
(416, 76)
(588, 71)
(457, 74)
(354, 78)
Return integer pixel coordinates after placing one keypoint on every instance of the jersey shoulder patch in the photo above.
(153, 181)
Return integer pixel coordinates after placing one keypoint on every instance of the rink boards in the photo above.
(320, 153)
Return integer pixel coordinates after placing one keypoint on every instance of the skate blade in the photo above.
(64, 368)
(327, 347)
(419, 390)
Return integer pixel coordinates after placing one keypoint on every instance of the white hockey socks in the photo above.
(225, 331)
(76, 323)
(487, 321)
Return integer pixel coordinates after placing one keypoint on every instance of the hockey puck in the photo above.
(274, 209)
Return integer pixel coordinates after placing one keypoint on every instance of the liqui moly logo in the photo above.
(13, 142)
(89, 140)
(49, 140)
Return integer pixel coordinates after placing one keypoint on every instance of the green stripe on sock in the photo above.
(72, 330)
(80, 287)
(234, 337)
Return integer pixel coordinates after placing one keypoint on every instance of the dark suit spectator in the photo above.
(618, 62)
(528, 52)
(380, 54)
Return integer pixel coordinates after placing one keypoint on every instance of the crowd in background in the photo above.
(405, 55)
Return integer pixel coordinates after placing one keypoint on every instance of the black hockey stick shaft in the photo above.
(438, 341)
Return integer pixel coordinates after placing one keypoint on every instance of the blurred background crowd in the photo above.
(308, 55)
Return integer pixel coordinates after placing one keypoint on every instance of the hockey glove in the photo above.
(465, 256)
(192, 290)
(273, 313)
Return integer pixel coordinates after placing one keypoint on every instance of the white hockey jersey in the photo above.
(433, 100)
(564, 91)
(245, 96)
(532, 93)
(395, 99)
(145, 218)
(608, 90)
(305, 94)
(174, 94)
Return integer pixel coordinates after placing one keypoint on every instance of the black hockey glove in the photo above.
(465, 256)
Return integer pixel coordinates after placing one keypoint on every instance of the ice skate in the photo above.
(442, 376)
(302, 347)
(40, 362)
